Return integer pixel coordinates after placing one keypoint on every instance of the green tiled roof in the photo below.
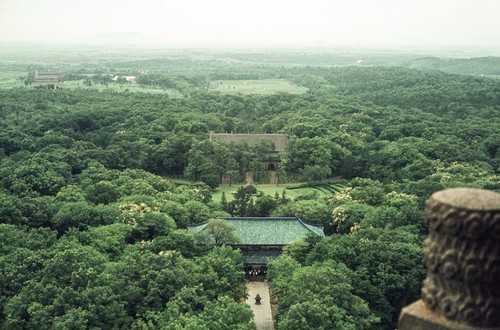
(268, 231)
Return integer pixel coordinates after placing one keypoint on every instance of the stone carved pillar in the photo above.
(462, 256)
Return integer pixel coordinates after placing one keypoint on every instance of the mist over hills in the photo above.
(116, 39)
(479, 66)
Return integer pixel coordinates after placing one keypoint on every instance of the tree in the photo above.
(39, 175)
(151, 225)
(103, 192)
(312, 152)
(312, 211)
(387, 271)
(348, 215)
(226, 314)
(299, 250)
(320, 297)
(203, 190)
(367, 191)
(40, 210)
(223, 202)
(178, 240)
(11, 210)
(196, 212)
(201, 164)
(110, 240)
(72, 289)
(241, 199)
(190, 310)
(226, 265)
(177, 211)
(78, 215)
(222, 232)
(70, 193)
(265, 205)
(312, 173)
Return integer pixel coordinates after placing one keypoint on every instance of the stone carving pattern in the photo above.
(462, 255)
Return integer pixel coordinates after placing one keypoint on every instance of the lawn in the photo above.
(11, 79)
(263, 87)
(292, 189)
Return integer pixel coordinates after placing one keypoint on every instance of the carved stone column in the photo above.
(462, 256)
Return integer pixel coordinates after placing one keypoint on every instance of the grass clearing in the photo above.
(11, 79)
(292, 189)
(263, 87)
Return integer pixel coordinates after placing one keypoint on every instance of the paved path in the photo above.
(262, 313)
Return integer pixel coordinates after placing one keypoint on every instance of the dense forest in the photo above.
(93, 214)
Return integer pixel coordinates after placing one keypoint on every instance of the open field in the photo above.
(11, 79)
(292, 189)
(263, 87)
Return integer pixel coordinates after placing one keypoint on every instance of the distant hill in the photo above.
(478, 66)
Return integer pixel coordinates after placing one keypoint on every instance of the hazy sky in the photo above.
(252, 22)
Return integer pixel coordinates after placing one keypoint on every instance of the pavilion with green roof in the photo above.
(262, 239)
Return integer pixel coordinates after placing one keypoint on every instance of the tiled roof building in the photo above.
(262, 239)
(46, 78)
(273, 158)
(279, 140)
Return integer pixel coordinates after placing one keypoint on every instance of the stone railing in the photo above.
(462, 256)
